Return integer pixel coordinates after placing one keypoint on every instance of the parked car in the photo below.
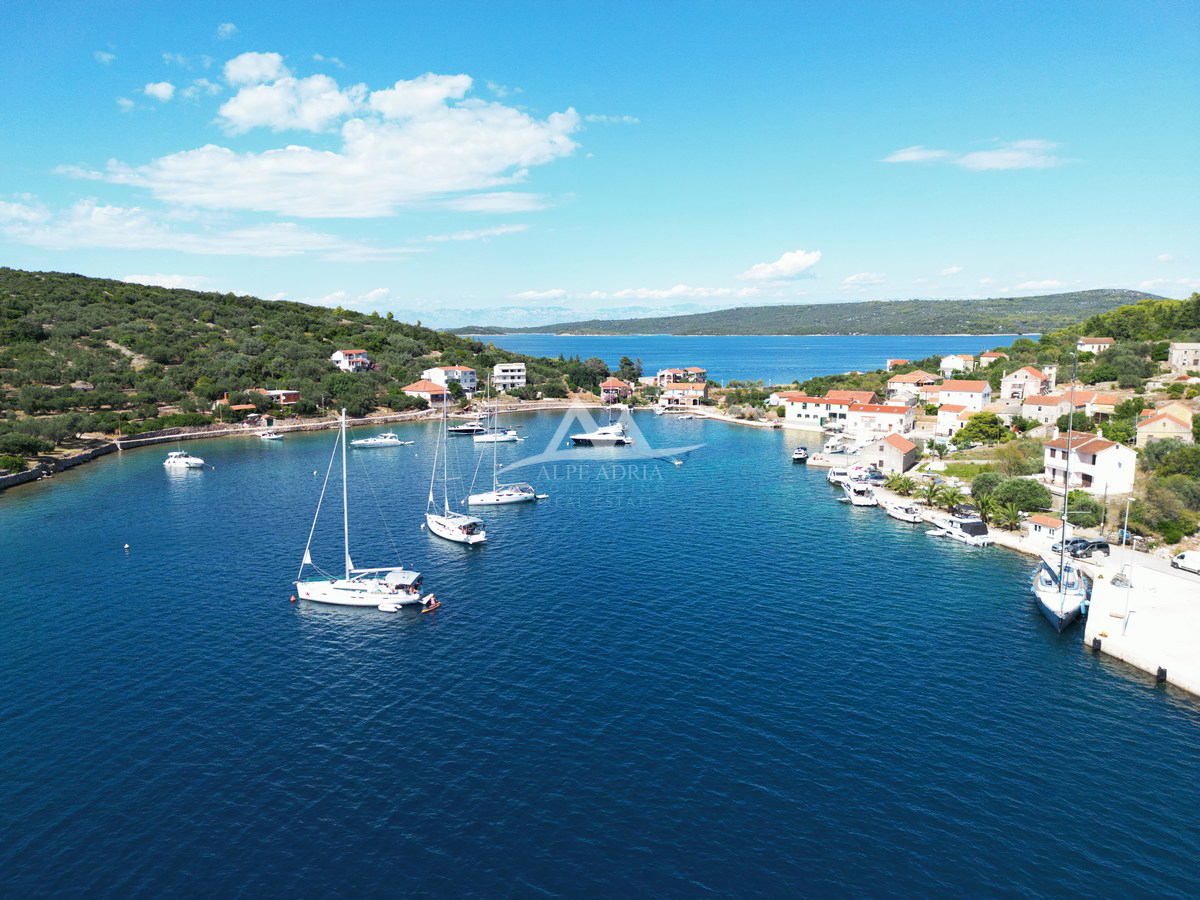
(1089, 548)
(1188, 560)
(1072, 545)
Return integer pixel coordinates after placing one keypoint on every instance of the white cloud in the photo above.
(952, 270)
(174, 59)
(1025, 154)
(1033, 154)
(317, 57)
(1164, 257)
(862, 279)
(420, 96)
(477, 234)
(226, 30)
(553, 294)
(418, 151)
(1045, 284)
(613, 120)
(201, 86)
(90, 224)
(310, 104)
(192, 282)
(23, 212)
(255, 68)
(125, 104)
(790, 265)
(337, 298)
(499, 202)
(1184, 285)
(104, 57)
(915, 154)
(160, 90)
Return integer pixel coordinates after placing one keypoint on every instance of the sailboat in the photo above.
(444, 521)
(1061, 590)
(387, 587)
(500, 494)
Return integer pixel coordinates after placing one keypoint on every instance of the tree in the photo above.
(1027, 495)
(628, 370)
(1008, 515)
(1084, 510)
(983, 484)
(982, 428)
(1020, 424)
(1076, 421)
(951, 496)
(987, 507)
(1122, 431)
(931, 493)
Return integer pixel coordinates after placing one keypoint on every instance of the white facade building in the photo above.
(443, 375)
(351, 360)
(956, 362)
(1184, 358)
(869, 419)
(683, 394)
(1098, 466)
(974, 395)
(1093, 344)
(1025, 382)
(508, 376)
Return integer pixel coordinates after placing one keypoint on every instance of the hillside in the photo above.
(1009, 315)
(81, 354)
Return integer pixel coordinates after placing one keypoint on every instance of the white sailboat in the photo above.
(500, 494)
(387, 587)
(1062, 591)
(444, 521)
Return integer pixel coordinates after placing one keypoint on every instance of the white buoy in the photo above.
(126, 548)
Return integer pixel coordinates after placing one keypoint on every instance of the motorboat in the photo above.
(660, 411)
(387, 439)
(972, 531)
(181, 459)
(496, 436)
(905, 512)
(859, 494)
(467, 428)
(686, 416)
(611, 435)
(800, 455)
(270, 436)
(386, 587)
(838, 475)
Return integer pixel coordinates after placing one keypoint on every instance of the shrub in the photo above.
(1028, 496)
(12, 464)
(985, 484)
(13, 444)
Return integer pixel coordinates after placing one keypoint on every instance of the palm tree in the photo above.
(1009, 516)
(892, 482)
(951, 496)
(987, 506)
(906, 485)
(931, 493)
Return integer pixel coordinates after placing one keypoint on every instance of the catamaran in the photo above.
(443, 521)
(387, 587)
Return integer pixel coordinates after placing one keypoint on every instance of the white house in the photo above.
(956, 362)
(986, 359)
(1093, 344)
(443, 375)
(614, 389)
(893, 455)
(1183, 357)
(948, 421)
(974, 395)
(910, 383)
(1048, 529)
(814, 412)
(1097, 465)
(690, 374)
(351, 360)
(866, 419)
(683, 393)
(1025, 382)
(1163, 425)
(508, 376)
(430, 391)
(892, 363)
(1044, 409)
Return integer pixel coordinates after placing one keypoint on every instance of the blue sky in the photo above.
(521, 163)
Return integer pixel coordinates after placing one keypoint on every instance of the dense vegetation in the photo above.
(1011, 315)
(84, 355)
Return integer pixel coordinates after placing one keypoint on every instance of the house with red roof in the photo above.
(1095, 345)
(1025, 382)
(430, 391)
(683, 393)
(974, 395)
(892, 455)
(443, 375)
(613, 390)
(351, 360)
(691, 374)
(910, 383)
(868, 419)
(1097, 465)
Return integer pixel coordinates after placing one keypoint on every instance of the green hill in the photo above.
(1009, 315)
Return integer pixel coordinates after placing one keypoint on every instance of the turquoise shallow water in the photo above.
(665, 680)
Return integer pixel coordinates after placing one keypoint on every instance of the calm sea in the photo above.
(663, 681)
(775, 359)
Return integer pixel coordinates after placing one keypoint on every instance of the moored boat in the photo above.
(905, 512)
(181, 459)
(387, 439)
(859, 493)
(800, 455)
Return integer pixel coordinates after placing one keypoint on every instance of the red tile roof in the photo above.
(965, 386)
(424, 386)
(950, 407)
(1050, 521)
(902, 444)
(1082, 442)
(1160, 417)
(1031, 371)
(1046, 400)
(852, 396)
(878, 408)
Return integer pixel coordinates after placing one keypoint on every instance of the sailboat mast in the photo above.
(495, 426)
(1062, 550)
(345, 500)
(445, 462)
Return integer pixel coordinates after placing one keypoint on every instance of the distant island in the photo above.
(1002, 315)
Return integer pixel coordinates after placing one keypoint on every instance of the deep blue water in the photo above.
(664, 681)
(775, 359)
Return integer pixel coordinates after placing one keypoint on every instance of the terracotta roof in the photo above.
(1160, 417)
(1046, 400)
(919, 375)
(878, 408)
(1106, 399)
(1029, 370)
(356, 352)
(695, 369)
(902, 444)
(853, 396)
(968, 386)
(950, 407)
(614, 383)
(1087, 340)
(994, 354)
(900, 362)
(1050, 521)
(685, 386)
(456, 368)
(424, 386)
(1082, 442)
